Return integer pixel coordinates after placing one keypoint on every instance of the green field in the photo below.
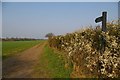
(11, 47)
(0, 49)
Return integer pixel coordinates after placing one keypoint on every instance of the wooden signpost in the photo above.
(102, 19)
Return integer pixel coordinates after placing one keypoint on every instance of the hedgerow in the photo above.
(83, 49)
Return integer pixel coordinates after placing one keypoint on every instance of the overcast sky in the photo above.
(31, 19)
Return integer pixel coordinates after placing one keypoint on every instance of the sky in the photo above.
(119, 9)
(36, 19)
(60, 0)
(0, 19)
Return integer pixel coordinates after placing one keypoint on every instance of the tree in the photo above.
(49, 35)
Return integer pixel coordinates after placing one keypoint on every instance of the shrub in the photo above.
(84, 50)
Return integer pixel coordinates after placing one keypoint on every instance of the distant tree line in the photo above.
(19, 39)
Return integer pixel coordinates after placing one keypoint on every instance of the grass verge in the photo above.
(52, 62)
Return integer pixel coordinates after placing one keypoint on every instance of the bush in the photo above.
(84, 50)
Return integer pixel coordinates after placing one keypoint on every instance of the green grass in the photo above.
(54, 64)
(11, 47)
(0, 50)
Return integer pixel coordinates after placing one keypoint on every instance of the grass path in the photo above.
(22, 64)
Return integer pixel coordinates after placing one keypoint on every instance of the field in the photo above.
(35, 56)
(11, 47)
(0, 49)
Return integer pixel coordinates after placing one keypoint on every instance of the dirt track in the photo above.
(22, 64)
